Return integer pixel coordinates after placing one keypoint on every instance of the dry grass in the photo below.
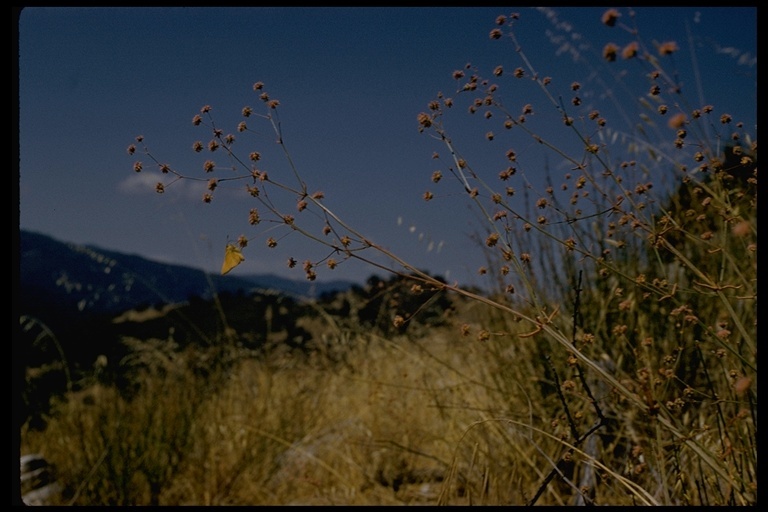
(614, 361)
(443, 418)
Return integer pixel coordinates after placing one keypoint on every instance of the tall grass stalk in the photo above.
(613, 360)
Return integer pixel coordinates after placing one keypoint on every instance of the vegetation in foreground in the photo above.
(614, 362)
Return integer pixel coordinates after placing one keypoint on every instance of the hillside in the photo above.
(71, 277)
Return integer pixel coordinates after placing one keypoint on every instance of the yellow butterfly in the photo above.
(232, 258)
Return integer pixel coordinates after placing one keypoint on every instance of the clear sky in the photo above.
(350, 81)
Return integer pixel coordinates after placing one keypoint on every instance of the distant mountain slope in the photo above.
(90, 279)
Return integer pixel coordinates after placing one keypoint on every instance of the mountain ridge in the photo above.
(87, 277)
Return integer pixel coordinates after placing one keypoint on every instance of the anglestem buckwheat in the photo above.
(667, 298)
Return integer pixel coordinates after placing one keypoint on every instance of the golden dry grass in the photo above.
(614, 363)
(442, 418)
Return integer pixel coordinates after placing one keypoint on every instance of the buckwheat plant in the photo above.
(632, 270)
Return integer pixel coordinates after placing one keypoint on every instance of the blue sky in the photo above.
(350, 82)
